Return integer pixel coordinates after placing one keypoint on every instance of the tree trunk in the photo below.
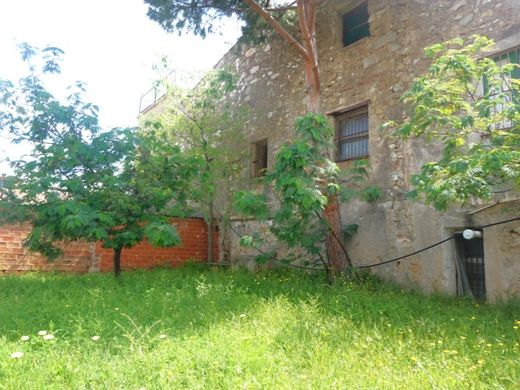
(306, 11)
(117, 261)
(336, 254)
(211, 227)
(312, 86)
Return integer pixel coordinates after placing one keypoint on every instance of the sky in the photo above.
(111, 45)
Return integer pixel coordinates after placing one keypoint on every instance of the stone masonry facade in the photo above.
(375, 71)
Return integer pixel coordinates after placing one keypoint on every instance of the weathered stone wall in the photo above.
(377, 70)
(501, 249)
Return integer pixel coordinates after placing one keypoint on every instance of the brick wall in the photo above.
(194, 237)
(84, 257)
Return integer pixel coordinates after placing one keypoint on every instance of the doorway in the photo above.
(471, 258)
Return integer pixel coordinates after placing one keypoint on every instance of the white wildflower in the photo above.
(42, 333)
(24, 338)
(17, 355)
(48, 337)
(95, 338)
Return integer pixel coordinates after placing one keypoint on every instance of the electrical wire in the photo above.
(390, 260)
(432, 246)
(405, 256)
(500, 223)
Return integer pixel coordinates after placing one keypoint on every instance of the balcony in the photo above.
(179, 78)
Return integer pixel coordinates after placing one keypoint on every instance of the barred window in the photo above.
(511, 56)
(352, 134)
(259, 158)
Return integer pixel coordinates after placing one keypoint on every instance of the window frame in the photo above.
(339, 140)
(511, 55)
(344, 31)
(256, 171)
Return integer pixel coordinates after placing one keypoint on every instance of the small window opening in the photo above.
(259, 158)
(355, 24)
(352, 134)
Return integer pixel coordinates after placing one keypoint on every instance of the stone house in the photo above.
(364, 71)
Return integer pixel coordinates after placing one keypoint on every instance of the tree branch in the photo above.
(307, 19)
(277, 27)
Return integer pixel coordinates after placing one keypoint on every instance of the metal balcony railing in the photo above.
(177, 77)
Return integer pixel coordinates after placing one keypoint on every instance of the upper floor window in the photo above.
(355, 24)
(259, 158)
(352, 134)
(509, 57)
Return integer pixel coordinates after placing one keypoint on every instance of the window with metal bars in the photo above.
(355, 24)
(259, 154)
(511, 56)
(352, 134)
(471, 255)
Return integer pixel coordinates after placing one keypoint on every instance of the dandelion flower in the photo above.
(48, 337)
(162, 336)
(24, 338)
(17, 355)
(42, 333)
(95, 338)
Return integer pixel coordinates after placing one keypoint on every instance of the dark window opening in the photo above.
(511, 56)
(259, 158)
(471, 256)
(355, 24)
(352, 134)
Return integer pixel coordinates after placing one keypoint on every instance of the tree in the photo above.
(302, 180)
(261, 19)
(207, 130)
(470, 103)
(78, 182)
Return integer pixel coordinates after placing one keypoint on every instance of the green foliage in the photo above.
(79, 182)
(206, 128)
(252, 204)
(201, 17)
(194, 16)
(350, 230)
(209, 132)
(370, 194)
(303, 180)
(247, 241)
(470, 104)
(161, 235)
(162, 329)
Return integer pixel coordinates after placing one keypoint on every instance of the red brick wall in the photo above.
(14, 257)
(82, 257)
(194, 237)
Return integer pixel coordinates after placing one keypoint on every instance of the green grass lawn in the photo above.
(194, 328)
